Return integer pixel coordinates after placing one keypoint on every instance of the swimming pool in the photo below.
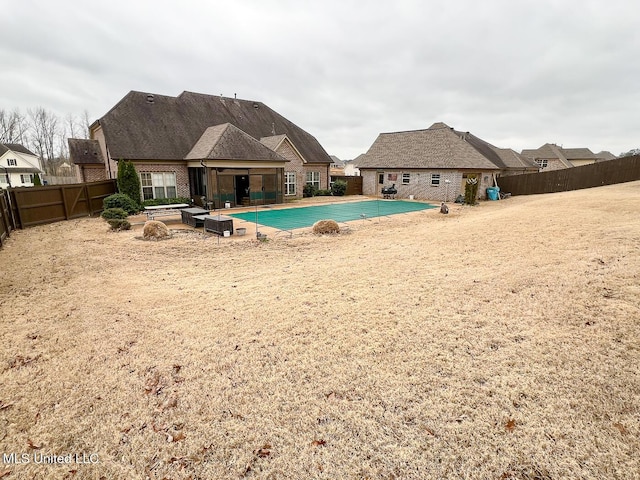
(301, 217)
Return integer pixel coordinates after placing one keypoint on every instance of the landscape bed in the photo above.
(500, 341)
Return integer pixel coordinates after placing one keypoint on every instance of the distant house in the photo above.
(605, 155)
(337, 166)
(351, 166)
(553, 157)
(86, 155)
(18, 166)
(435, 163)
(195, 145)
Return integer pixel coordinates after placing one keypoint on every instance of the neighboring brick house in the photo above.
(552, 157)
(435, 163)
(18, 166)
(176, 153)
(87, 157)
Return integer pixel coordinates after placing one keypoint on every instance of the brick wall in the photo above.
(294, 165)
(420, 184)
(180, 169)
(553, 164)
(92, 173)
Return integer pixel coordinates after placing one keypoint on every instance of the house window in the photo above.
(381, 178)
(290, 183)
(542, 162)
(26, 178)
(406, 177)
(435, 179)
(12, 162)
(158, 185)
(4, 178)
(313, 178)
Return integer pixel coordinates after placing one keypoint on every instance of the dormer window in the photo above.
(12, 162)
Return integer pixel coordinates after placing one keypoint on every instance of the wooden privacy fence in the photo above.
(6, 222)
(38, 205)
(620, 170)
(354, 183)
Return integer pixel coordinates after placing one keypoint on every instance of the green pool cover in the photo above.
(301, 217)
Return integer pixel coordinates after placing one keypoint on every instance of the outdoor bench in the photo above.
(164, 210)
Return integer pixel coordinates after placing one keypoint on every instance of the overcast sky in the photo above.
(516, 73)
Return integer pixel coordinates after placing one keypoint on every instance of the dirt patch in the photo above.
(499, 341)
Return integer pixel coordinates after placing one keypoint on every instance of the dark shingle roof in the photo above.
(577, 153)
(504, 158)
(605, 155)
(436, 147)
(15, 147)
(551, 151)
(82, 151)
(146, 126)
(228, 142)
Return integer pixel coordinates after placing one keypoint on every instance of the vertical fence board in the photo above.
(38, 205)
(609, 172)
(6, 224)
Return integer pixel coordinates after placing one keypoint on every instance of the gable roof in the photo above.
(605, 155)
(577, 153)
(83, 151)
(275, 142)
(15, 147)
(437, 147)
(228, 142)
(159, 127)
(504, 158)
(551, 151)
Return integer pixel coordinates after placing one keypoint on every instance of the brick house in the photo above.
(87, 157)
(435, 163)
(222, 149)
(553, 157)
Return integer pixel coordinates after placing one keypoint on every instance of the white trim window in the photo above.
(435, 179)
(26, 178)
(158, 185)
(290, 183)
(313, 178)
(406, 178)
(12, 162)
(542, 162)
(4, 178)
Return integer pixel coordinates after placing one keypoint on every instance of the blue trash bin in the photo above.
(492, 193)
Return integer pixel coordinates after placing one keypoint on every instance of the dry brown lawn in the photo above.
(499, 342)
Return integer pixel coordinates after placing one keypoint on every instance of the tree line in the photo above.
(44, 133)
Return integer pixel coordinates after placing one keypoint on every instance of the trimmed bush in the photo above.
(323, 193)
(114, 214)
(128, 180)
(326, 226)
(339, 188)
(309, 190)
(120, 200)
(118, 224)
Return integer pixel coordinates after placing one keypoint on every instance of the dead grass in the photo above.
(496, 342)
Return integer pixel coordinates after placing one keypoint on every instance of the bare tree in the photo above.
(13, 127)
(72, 126)
(43, 132)
(86, 124)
